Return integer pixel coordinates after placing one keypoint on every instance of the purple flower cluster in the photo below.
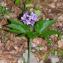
(29, 18)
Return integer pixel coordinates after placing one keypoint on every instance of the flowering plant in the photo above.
(29, 18)
(30, 26)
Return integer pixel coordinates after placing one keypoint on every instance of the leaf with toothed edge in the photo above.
(42, 25)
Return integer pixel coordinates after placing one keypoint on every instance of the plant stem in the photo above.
(29, 50)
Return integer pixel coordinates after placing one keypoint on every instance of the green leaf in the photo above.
(48, 33)
(20, 28)
(15, 21)
(42, 25)
(17, 2)
(32, 34)
(14, 31)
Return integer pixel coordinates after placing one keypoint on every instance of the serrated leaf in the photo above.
(17, 22)
(20, 28)
(14, 31)
(48, 33)
(14, 21)
(41, 25)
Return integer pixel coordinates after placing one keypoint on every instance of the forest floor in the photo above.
(13, 48)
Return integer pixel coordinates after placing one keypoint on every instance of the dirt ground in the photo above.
(13, 47)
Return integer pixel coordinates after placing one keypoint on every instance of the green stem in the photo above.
(29, 50)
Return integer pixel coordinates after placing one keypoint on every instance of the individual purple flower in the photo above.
(29, 18)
